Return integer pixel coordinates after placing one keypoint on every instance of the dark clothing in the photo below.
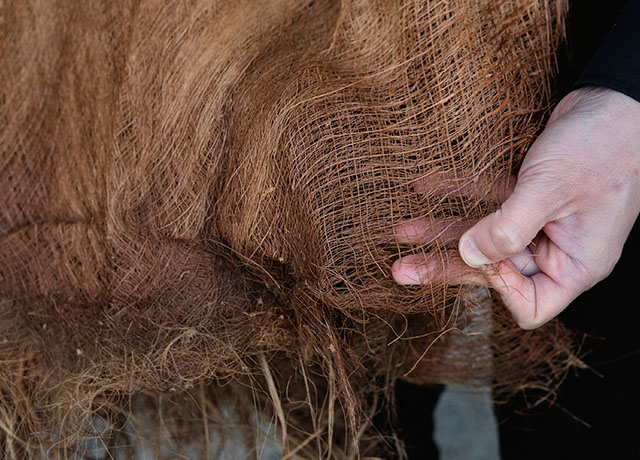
(616, 64)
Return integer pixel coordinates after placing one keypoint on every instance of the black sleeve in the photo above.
(616, 64)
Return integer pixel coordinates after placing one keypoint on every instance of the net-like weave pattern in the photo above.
(206, 190)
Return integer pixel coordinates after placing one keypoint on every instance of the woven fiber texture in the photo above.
(205, 192)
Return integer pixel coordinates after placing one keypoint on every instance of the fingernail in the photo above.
(471, 254)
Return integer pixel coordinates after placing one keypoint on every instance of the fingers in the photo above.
(525, 263)
(534, 300)
(451, 269)
(427, 231)
(426, 268)
(494, 252)
(497, 190)
(510, 229)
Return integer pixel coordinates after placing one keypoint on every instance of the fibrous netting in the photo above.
(204, 193)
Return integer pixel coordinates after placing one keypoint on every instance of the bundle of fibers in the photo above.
(203, 194)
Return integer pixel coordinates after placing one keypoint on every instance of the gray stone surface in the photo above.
(465, 426)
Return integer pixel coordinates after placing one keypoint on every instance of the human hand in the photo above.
(562, 228)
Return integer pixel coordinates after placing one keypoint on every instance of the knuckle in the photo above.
(526, 321)
(595, 278)
(591, 280)
(614, 257)
(523, 313)
(584, 279)
(588, 277)
(507, 237)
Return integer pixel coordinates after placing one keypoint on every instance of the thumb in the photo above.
(509, 230)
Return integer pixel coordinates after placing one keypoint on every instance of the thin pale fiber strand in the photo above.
(204, 193)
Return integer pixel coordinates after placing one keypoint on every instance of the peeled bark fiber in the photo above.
(203, 194)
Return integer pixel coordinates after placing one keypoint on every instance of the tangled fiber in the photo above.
(199, 199)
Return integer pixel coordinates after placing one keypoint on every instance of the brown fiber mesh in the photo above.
(204, 192)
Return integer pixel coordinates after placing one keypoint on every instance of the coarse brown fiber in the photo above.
(204, 193)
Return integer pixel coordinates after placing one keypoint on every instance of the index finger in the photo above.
(494, 189)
